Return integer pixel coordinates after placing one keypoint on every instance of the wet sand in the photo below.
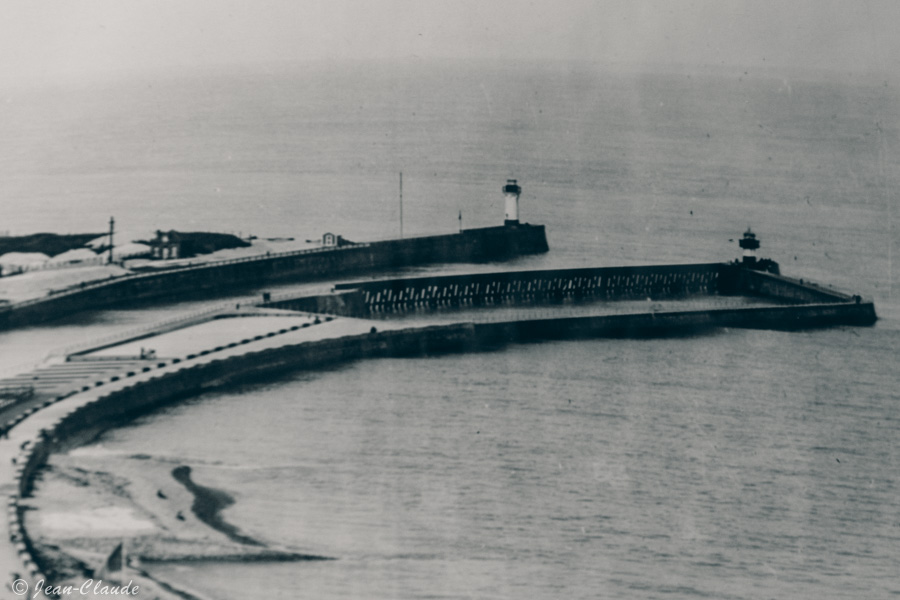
(84, 507)
(208, 502)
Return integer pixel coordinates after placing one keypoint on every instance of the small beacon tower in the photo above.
(511, 191)
(750, 245)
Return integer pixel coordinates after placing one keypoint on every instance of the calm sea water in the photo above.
(741, 464)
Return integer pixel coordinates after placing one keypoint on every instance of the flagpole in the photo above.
(112, 223)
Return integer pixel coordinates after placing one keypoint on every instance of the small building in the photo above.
(167, 245)
(334, 240)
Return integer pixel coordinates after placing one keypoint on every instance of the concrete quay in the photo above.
(55, 380)
(224, 277)
(25, 444)
(655, 282)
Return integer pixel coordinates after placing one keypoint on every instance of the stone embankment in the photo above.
(229, 276)
(68, 420)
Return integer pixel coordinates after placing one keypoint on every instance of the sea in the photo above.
(732, 464)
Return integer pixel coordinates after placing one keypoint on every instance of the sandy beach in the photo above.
(162, 512)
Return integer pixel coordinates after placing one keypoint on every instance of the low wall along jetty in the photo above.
(366, 298)
(472, 245)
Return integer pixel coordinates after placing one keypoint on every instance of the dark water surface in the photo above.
(740, 464)
(730, 465)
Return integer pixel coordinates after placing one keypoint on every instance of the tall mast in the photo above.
(401, 204)
(112, 223)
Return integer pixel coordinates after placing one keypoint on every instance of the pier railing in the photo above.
(538, 286)
(609, 283)
(157, 327)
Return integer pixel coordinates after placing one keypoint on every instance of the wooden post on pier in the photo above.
(401, 204)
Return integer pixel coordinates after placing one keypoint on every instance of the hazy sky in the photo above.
(50, 39)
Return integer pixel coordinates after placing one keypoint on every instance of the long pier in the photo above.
(398, 295)
(538, 286)
(472, 245)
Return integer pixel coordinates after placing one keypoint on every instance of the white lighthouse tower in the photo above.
(511, 191)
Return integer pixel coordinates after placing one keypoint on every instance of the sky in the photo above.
(61, 39)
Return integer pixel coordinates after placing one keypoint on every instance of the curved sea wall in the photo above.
(92, 413)
(89, 416)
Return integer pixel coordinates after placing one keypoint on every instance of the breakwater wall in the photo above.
(515, 287)
(193, 378)
(261, 365)
(612, 283)
(473, 245)
(149, 390)
(548, 286)
(785, 288)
